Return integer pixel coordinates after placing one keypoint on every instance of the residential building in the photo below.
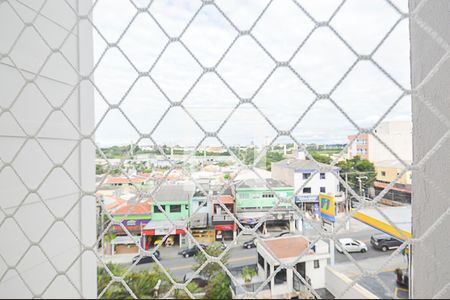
(397, 135)
(123, 180)
(297, 171)
(134, 217)
(287, 250)
(174, 203)
(387, 171)
(224, 224)
(201, 208)
(360, 146)
(254, 199)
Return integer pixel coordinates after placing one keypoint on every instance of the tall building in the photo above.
(397, 135)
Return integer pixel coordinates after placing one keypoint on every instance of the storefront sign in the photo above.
(327, 208)
(225, 227)
(306, 198)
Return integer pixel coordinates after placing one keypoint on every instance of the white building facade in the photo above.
(287, 250)
(300, 174)
(397, 135)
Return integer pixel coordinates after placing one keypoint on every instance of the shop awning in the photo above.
(164, 227)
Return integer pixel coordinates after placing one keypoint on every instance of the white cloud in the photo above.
(365, 94)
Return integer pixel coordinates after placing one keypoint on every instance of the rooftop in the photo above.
(391, 164)
(286, 247)
(174, 192)
(258, 183)
(134, 209)
(302, 164)
(224, 199)
(125, 180)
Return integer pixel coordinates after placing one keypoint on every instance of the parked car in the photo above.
(145, 259)
(191, 251)
(250, 244)
(384, 242)
(351, 245)
(284, 233)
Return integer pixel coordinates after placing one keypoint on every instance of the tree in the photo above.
(212, 268)
(142, 283)
(248, 274)
(358, 167)
(99, 169)
(192, 287)
(321, 158)
(219, 287)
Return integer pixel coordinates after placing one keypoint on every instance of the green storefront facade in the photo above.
(255, 198)
(175, 210)
(253, 195)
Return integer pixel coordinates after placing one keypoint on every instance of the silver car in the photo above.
(351, 245)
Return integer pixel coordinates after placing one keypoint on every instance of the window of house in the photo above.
(383, 173)
(322, 175)
(157, 210)
(175, 208)
(261, 260)
(306, 175)
(268, 195)
(186, 207)
(316, 264)
(323, 189)
(244, 195)
(307, 190)
(281, 277)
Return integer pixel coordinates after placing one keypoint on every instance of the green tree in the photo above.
(142, 283)
(212, 268)
(192, 287)
(321, 158)
(219, 287)
(248, 274)
(103, 279)
(358, 167)
(99, 169)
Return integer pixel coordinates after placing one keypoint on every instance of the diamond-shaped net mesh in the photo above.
(155, 83)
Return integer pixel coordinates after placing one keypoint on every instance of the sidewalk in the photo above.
(370, 264)
(166, 252)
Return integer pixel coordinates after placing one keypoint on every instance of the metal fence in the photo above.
(153, 74)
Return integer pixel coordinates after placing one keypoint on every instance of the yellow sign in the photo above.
(327, 210)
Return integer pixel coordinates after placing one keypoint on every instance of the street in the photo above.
(178, 266)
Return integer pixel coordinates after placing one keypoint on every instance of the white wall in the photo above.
(330, 183)
(397, 135)
(317, 276)
(33, 191)
(337, 283)
(430, 202)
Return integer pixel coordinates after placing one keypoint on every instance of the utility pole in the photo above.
(347, 202)
(360, 185)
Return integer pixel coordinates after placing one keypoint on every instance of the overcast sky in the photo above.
(365, 94)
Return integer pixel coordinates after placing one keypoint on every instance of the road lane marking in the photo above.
(229, 261)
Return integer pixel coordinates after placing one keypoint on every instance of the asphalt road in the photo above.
(178, 266)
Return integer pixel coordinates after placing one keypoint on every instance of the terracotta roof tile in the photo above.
(286, 247)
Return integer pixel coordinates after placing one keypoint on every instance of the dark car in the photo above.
(191, 251)
(384, 242)
(285, 233)
(250, 244)
(145, 259)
